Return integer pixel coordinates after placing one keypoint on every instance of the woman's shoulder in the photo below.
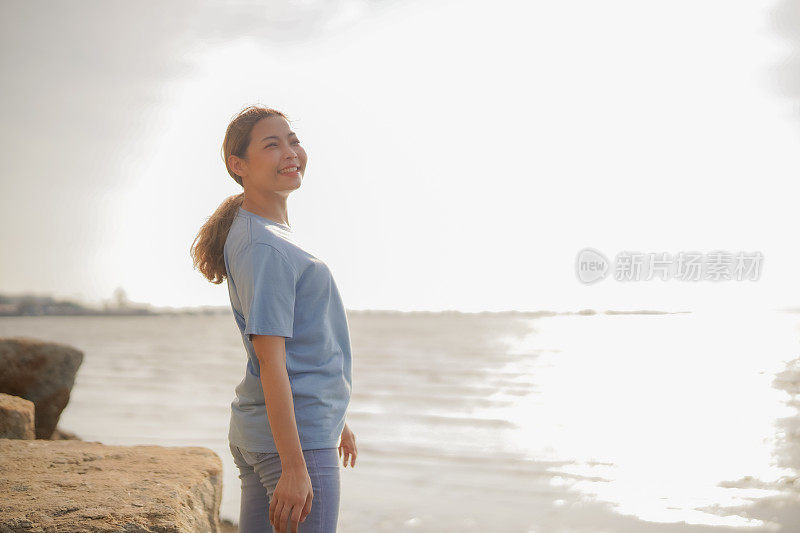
(246, 232)
(252, 260)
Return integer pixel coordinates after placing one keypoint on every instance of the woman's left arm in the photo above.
(347, 447)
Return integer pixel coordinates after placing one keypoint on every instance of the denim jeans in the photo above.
(260, 471)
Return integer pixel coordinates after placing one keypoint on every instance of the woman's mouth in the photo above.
(290, 171)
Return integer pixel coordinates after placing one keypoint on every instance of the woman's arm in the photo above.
(271, 353)
(293, 494)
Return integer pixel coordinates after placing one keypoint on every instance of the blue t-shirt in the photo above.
(278, 288)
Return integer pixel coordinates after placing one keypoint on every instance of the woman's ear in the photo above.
(235, 164)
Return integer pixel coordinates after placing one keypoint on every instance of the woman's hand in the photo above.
(293, 494)
(347, 447)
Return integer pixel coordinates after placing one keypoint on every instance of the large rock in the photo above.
(77, 486)
(42, 372)
(16, 417)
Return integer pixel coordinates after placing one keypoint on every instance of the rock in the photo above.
(72, 485)
(16, 417)
(63, 434)
(42, 372)
(226, 526)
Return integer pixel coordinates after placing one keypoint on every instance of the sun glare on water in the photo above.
(666, 417)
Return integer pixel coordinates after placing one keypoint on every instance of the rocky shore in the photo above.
(54, 482)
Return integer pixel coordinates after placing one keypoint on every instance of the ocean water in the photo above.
(492, 422)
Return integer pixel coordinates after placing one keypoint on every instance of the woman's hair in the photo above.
(207, 249)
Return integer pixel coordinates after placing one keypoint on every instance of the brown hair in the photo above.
(207, 249)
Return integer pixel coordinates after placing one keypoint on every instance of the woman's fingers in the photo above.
(349, 456)
(348, 448)
(285, 518)
(296, 517)
(272, 509)
(275, 509)
(284, 509)
(307, 507)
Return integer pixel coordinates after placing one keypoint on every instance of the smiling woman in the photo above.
(288, 417)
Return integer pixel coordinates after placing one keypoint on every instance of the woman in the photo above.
(289, 412)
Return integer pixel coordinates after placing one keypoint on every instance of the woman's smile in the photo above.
(290, 171)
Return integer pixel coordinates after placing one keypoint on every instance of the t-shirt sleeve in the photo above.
(266, 288)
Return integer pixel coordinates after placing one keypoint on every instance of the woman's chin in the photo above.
(290, 184)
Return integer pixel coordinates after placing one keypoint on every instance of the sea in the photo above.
(594, 421)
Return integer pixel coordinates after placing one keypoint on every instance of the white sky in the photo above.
(460, 153)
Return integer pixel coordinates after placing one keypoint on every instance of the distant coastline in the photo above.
(32, 305)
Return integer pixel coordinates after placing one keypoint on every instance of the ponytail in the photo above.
(207, 248)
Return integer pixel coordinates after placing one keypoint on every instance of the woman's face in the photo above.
(274, 148)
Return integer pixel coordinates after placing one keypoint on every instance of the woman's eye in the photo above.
(273, 144)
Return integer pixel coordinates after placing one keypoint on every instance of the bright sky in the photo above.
(461, 154)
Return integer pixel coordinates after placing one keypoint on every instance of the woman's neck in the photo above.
(273, 209)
